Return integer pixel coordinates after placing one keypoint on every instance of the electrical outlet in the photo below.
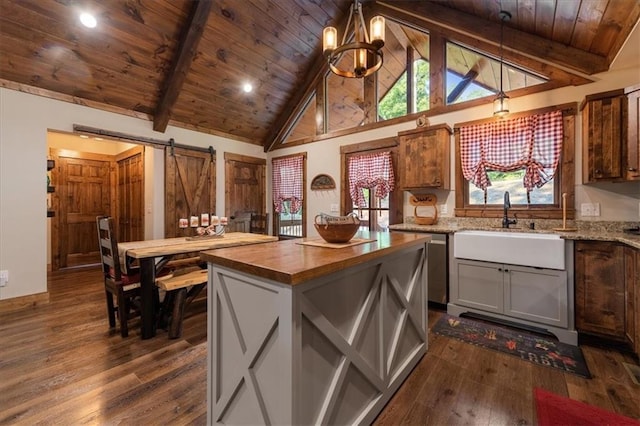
(443, 209)
(590, 209)
(4, 277)
(335, 208)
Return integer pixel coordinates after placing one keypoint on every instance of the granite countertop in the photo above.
(585, 230)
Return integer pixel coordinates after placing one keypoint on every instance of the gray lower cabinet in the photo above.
(535, 297)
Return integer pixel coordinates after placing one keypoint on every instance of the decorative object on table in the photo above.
(194, 222)
(204, 219)
(318, 242)
(541, 350)
(336, 229)
(183, 222)
(425, 202)
(564, 216)
(322, 181)
(224, 221)
(556, 410)
(209, 231)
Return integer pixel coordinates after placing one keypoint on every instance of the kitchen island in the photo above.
(308, 334)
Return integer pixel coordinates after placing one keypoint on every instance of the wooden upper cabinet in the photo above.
(633, 133)
(425, 157)
(611, 136)
(603, 134)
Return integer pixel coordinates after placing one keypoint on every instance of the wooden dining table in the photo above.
(149, 252)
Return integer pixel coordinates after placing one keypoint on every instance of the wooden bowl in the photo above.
(337, 229)
(337, 233)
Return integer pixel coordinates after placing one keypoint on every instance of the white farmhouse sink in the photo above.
(514, 248)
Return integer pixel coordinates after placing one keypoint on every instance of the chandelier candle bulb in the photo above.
(376, 28)
(329, 39)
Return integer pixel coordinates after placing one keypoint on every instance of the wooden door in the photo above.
(190, 188)
(130, 194)
(244, 190)
(83, 191)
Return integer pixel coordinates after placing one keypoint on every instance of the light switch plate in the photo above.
(4, 277)
(335, 208)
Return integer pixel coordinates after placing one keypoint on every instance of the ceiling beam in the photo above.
(185, 53)
(467, 28)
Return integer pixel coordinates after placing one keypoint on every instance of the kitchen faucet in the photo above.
(505, 218)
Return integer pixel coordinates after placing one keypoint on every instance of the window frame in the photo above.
(396, 197)
(564, 179)
(276, 215)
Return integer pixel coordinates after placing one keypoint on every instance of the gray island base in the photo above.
(313, 335)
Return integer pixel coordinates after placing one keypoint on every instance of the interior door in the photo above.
(130, 194)
(190, 188)
(245, 189)
(83, 191)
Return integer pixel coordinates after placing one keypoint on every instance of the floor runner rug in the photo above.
(556, 410)
(541, 350)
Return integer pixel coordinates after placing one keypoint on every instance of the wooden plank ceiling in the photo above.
(184, 63)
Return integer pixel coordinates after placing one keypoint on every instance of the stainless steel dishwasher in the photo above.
(437, 269)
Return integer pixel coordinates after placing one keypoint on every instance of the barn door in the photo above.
(244, 190)
(83, 191)
(190, 188)
(130, 194)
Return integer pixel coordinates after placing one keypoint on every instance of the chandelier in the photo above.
(367, 53)
(501, 103)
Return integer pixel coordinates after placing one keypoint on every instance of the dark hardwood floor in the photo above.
(60, 364)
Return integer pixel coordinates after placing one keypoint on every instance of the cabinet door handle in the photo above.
(632, 169)
(506, 270)
(500, 269)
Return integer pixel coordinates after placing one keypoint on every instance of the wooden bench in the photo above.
(182, 286)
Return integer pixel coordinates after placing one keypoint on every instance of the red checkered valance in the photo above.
(370, 171)
(287, 177)
(533, 142)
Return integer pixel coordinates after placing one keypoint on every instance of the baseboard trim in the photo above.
(22, 302)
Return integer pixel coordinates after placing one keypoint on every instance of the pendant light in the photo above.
(501, 103)
(367, 52)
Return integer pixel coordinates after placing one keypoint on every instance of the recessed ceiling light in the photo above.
(98, 139)
(247, 87)
(88, 20)
(84, 136)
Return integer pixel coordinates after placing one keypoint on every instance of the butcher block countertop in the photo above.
(290, 262)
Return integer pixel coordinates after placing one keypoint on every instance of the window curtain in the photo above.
(372, 171)
(532, 143)
(286, 174)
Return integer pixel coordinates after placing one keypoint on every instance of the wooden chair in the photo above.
(125, 288)
(259, 224)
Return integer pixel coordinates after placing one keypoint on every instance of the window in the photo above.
(288, 183)
(529, 155)
(394, 103)
(371, 180)
(374, 215)
(472, 75)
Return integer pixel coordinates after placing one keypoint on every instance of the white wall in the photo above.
(25, 120)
